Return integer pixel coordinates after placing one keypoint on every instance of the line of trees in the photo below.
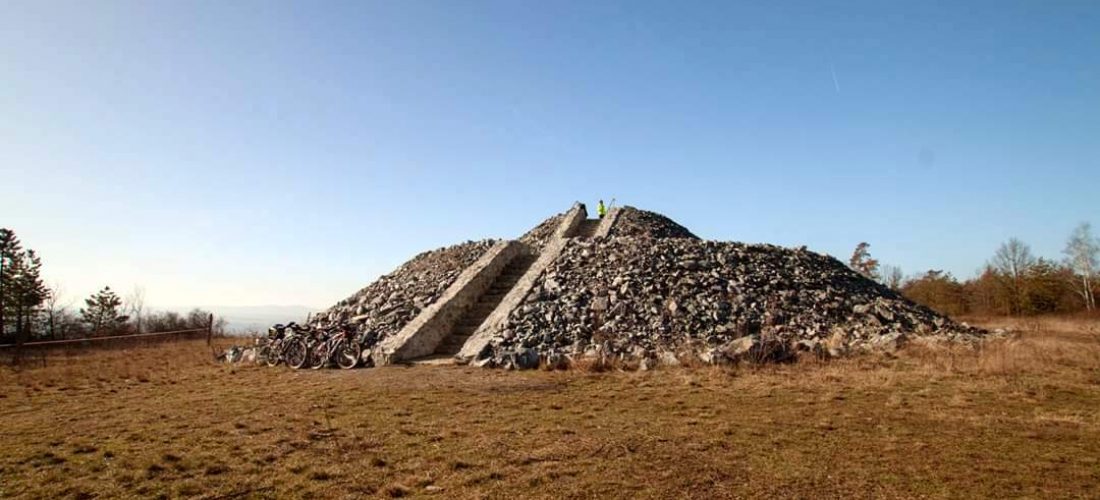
(1013, 282)
(31, 310)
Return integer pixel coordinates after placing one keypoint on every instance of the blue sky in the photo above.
(240, 153)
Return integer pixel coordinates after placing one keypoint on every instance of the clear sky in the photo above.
(243, 153)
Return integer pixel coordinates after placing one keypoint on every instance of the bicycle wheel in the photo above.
(296, 354)
(318, 355)
(347, 354)
(268, 355)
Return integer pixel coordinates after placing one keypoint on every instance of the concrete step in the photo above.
(476, 316)
(451, 345)
(587, 228)
(483, 306)
(435, 360)
(486, 304)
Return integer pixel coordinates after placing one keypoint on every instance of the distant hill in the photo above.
(244, 319)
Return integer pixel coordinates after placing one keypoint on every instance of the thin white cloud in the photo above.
(836, 83)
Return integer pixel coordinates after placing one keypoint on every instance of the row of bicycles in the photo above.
(302, 346)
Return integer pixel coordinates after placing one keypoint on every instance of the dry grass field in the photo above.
(1019, 418)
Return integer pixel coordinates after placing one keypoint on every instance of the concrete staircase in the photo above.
(586, 229)
(472, 311)
(476, 314)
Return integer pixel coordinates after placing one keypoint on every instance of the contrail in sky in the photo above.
(835, 82)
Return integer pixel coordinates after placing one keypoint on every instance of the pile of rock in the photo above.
(659, 300)
(541, 233)
(644, 224)
(386, 305)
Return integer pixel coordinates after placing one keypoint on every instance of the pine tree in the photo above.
(1046, 287)
(27, 293)
(10, 248)
(101, 313)
(22, 291)
(862, 263)
(937, 290)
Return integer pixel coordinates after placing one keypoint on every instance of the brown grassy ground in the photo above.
(1019, 418)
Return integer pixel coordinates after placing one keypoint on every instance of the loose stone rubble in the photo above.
(540, 234)
(666, 300)
(386, 305)
(653, 293)
(641, 223)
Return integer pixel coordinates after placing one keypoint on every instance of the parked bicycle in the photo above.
(335, 345)
(342, 344)
(284, 344)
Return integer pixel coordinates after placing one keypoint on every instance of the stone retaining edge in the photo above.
(494, 324)
(429, 328)
(608, 222)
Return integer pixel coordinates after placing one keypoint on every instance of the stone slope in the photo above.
(651, 292)
(646, 298)
(633, 222)
(539, 235)
(390, 302)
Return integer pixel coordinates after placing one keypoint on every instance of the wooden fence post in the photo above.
(210, 329)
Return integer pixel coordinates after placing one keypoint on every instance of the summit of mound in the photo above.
(633, 222)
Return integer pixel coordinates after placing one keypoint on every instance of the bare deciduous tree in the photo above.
(135, 305)
(53, 310)
(1081, 256)
(1011, 262)
(892, 277)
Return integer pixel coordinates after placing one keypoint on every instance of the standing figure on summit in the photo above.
(601, 210)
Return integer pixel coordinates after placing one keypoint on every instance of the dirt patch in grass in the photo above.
(1016, 418)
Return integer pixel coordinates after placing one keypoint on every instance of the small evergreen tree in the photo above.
(22, 291)
(862, 263)
(9, 250)
(27, 293)
(939, 291)
(101, 311)
(1045, 288)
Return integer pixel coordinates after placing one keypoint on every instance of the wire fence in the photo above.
(27, 349)
(92, 340)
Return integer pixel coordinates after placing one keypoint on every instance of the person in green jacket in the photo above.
(601, 210)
